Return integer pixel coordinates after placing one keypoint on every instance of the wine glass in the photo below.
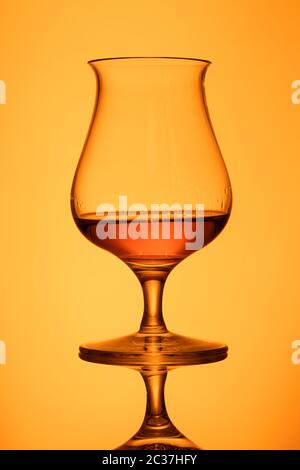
(152, 188)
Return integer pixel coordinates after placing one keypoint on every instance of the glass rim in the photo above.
(193, 59)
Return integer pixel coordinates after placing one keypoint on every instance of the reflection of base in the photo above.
(176, 443)
(166, 349)
(153, 355)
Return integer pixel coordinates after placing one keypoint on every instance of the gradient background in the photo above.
(58, 290)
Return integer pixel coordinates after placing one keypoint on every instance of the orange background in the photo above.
(58, 290)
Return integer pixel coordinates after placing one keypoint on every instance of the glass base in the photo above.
(139, 350)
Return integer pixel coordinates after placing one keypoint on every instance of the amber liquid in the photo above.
(159, 253)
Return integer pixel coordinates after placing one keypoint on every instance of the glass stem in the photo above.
(156, 421)
(152, 322)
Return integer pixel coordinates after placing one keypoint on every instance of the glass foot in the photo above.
(167, 350)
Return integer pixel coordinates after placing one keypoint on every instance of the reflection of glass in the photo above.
(151, 143)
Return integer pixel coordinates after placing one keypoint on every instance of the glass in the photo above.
(151, 187)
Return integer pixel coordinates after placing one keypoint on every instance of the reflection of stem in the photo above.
(153, 321)
(155, 383)
(156, 421)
